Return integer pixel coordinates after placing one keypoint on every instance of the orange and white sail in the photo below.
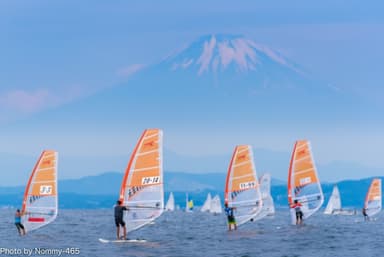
(40, 203)
(303, 181)
(142, 186)
(372, 202)
(242, 189)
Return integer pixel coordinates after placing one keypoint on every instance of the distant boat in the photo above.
(334, 204)
(265, 188)
(40, 203)
(188, 204)
(216, 205)
(242, 189)
(170, 206)
(303, 181)
(373, 198)
(142, 186)
(207, 204)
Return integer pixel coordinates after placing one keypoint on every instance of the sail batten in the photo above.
(142, 185)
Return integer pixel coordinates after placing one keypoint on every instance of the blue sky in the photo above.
(55, 54)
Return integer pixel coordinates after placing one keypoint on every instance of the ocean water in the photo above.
(177, 233)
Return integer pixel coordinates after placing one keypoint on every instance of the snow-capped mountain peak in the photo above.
(219, 52)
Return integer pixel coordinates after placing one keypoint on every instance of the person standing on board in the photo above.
(18, 224)
(119, 213)
(299, 214)
(230, 216)
(366, 218)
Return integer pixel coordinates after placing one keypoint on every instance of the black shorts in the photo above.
(19, 225)
(231, 220)
(119, 222)
(299, 214)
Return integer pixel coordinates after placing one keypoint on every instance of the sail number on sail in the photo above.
(306, 180)
(45, 190)
(247, 185)
(150, 180)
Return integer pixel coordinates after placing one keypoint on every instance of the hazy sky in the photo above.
(56, 53)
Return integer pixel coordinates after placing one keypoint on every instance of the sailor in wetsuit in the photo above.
(299, 214)
(119, 213)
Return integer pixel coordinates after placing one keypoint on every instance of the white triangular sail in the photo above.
(40, 203)
(334, 203)
(265, 188)
(207, 204)
(303, 181)
(142, 187)
(373, 198)
(242, 189)
(170, 206)
(216, 205)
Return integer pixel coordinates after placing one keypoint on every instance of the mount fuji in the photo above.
(218, 78)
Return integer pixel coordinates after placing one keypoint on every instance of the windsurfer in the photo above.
(18, 224)
(119, 211)
(230, 216)
(365, 214)
(299, 214)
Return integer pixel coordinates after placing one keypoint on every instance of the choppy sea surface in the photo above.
(76, 233)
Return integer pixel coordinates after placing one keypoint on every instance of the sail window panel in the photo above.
(148, 160)
(43, 188)
(45, 175)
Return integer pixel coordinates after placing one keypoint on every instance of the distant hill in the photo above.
(101, 191)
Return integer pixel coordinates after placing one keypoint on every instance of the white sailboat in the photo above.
(207, 204)
(216, 205)
(170, 206)
(265, 188)
(334, 204)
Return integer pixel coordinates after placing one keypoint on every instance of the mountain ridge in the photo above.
(100, 191)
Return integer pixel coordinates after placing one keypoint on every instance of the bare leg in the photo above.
(235, 226)
(118, 232)
(125, 232)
